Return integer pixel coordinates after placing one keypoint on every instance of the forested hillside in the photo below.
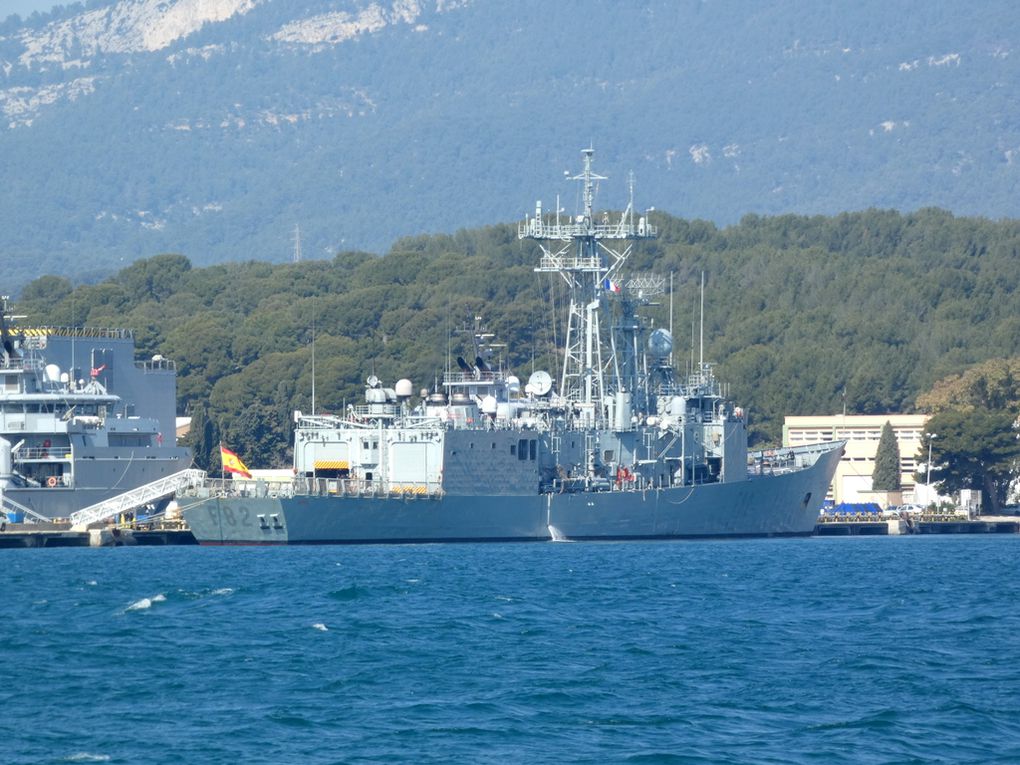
(213, 128)
(878, 303)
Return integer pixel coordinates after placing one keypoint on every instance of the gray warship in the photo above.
(622, 448)
(81, 421)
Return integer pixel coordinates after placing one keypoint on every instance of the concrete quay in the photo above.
(863, 526)
(15, 535)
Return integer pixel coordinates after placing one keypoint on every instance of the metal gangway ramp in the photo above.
(6, 504)
(130, 500)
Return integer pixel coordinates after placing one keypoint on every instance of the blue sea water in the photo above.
(866, 650)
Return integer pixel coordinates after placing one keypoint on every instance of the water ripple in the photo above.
(773, 651)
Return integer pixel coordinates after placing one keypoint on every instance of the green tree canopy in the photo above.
(978, 449)
(887, 462)
(798, 310)
(993, 384)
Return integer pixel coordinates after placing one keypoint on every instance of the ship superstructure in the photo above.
(621, 448)
(67, 439)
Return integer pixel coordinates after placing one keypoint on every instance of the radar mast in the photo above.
(579, 251)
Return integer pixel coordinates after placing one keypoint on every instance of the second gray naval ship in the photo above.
(622, 449)
(81, 421)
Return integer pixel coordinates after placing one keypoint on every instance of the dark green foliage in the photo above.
(972, 450)
(797, 309)
(886, 476)
(48, 289)
(203, 439)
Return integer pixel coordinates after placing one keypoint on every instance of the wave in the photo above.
(86, 757)
(144, 603)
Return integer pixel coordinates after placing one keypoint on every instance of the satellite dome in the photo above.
(404, 388)
(660, 343)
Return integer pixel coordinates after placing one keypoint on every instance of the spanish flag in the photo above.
(232, 463)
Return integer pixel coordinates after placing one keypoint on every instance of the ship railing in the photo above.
(569, 263)
(354, 487)
(669, 389)
(239, 487)
(101, 332)
(320, 421)
(333, 422)
(537, 228)
(453, 378)
(25, 454)
(788, 459)
(27, 363)
(375, 411)
(157, 365)
(318, 487)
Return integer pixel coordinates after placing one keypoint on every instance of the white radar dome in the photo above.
(404, 388)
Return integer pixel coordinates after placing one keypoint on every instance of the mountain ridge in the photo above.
(162, 129)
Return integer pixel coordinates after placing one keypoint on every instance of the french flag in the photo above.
(610, 285)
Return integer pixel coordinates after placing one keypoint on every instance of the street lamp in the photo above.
(927, 480)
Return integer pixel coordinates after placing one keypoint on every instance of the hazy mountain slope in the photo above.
(213, 128)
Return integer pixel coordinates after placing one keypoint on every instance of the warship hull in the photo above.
(785, 504)
(98, 479)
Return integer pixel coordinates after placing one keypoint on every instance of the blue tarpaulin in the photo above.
(855, 508)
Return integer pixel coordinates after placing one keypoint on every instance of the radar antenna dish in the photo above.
(540, 382)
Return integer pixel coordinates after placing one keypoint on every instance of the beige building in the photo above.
(852, 482)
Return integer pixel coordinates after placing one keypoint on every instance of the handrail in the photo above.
(136, 497)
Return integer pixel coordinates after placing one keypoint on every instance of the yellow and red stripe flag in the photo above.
(232, 463)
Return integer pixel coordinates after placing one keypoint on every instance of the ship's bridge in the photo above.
(479, 384)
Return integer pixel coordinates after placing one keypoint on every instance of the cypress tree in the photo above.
(887, 462)
(203, 438)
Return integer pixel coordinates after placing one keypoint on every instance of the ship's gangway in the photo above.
(132, 500)
(8, 505)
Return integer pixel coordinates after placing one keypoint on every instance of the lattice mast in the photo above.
(579, 252)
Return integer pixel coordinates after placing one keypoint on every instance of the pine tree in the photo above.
(887, 462)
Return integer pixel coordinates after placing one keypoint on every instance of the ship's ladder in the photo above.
(132, 500)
